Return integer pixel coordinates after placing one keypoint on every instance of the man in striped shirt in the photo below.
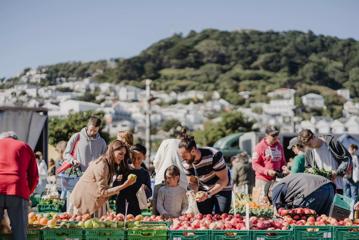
(206, 168)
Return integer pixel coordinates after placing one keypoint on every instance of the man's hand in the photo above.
(201, 196)
(271, 173)
(285, 170)
(334, 175)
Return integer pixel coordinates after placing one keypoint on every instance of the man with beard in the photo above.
(81, 149)
(86, 145)
(205, 167)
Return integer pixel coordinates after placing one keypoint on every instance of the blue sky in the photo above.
(42, 32)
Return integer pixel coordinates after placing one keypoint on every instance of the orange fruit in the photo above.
(43, 221)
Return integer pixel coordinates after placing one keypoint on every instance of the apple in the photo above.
(132, 177)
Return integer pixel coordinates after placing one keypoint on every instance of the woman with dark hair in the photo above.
(206, 168)
(93, 189)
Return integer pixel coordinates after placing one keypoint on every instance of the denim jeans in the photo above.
(351, 189)
(17, 209)
(219, 203)
(320, 200)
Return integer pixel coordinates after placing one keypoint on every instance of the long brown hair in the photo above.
(110, 158)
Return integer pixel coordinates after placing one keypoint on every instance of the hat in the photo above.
(271, 130)
(138, 148)
(294, 141)
(8, 134)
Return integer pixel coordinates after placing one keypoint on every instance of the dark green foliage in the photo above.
(230, 122)
(229, 62)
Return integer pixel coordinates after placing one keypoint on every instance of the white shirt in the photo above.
(166, 156)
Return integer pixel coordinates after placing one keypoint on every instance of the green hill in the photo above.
(234, 61)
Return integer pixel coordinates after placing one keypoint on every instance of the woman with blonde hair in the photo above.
(93, 189)
(125, 136)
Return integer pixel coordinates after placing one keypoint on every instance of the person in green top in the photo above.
(298, 161)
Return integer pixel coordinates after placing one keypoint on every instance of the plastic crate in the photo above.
(272, 235)
(105, 234)
(146, 213)
(230, 234)
(49, 208)
(32, 234)
(346, 233)
(313, 232)
(147, 231)
(167, 223)
(189, 234)
(62, 234)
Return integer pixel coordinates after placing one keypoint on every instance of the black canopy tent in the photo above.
(30, 125)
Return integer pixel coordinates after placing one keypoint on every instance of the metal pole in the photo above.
(148, 121)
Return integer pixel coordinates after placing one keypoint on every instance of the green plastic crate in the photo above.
(272, 235)
(230, 234)
(32, 234)
(313, 232)
(147, 231)
(62, 234)
(146, 213)
(346, 233)
(105, 234)
(167, 223)
(49, 208)
(189, 234)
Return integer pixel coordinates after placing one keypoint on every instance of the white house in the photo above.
(323, 126)
(129, 93)
(245, 94)
(345, 93)
(190, 94)
(350, 108)
(313, 100)
(77, 106)
(337, 127)
(307, 125)
(352, 125)
(284, 93)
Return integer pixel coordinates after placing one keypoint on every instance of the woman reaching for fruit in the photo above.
(93, 189)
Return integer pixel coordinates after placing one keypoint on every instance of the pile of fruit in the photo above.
(241, 200)
(224, 222)
(308, 217)
(50, 205)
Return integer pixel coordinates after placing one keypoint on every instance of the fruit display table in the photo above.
(294, 224)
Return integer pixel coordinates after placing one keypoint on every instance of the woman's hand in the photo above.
(129, 182)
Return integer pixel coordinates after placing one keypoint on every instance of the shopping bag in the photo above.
(142, 198)
(192, 203)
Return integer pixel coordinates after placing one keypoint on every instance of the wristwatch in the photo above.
(209, 195)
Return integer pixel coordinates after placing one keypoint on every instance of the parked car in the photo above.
(229, 145)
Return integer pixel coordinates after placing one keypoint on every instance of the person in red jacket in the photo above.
(18, 180)
(268, 158)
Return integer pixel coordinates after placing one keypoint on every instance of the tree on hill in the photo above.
(227, 123)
